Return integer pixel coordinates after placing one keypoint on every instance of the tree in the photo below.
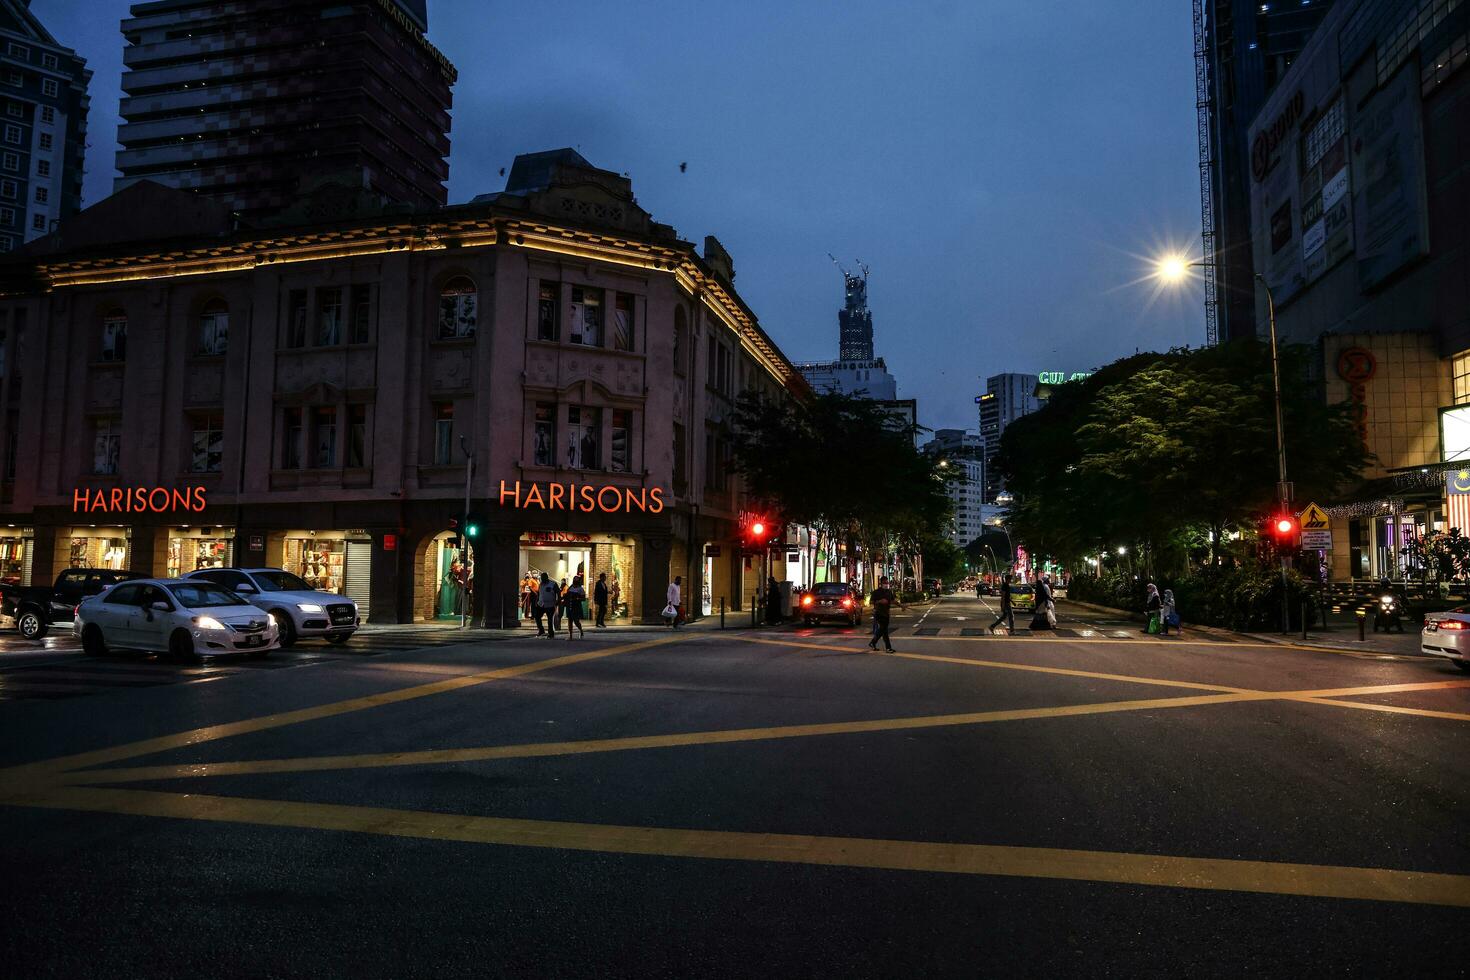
(1155, 447)
(845, 467)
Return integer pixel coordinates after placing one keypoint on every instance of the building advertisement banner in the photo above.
(1327, 235)
(1388, 179)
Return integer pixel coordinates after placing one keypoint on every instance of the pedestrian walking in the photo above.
(573, 599)
(1051, 602)
(882, 601)
(1007, 611)
(773, 604)
(599, 600)
(561, 606)
(673, 609)
(1152, 604)
(546, 599)
(1169, 615)
(1042, 617)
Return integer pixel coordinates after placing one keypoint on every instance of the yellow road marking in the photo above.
(211, 733)
(1214, 874)
(726, 736)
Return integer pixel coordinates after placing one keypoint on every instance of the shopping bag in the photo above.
(1153, 623)
(669, 611)
(1174, 620)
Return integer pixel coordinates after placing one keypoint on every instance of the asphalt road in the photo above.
(775, 803)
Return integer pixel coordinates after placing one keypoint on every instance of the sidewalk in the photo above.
(1342, 636)
(733, 621)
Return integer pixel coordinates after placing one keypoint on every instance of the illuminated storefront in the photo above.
(91, 546)
(16, 549)
(563, 555)
(193, 548)
(331, 561)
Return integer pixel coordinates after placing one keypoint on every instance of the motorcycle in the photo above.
(1388, 614)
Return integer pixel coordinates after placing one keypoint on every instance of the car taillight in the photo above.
(806, 600)
(847, 603)
(1451, 624)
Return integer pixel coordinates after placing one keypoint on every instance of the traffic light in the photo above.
(757, 533)
(471, 530)
(1283, 530)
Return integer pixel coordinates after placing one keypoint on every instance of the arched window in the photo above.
(115, 336)
(457, 309)
(214, 328)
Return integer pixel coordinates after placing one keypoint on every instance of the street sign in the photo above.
(1316, 540)
(1314, 518)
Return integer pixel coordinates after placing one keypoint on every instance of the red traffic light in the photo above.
(1285, 526)
(758, 530)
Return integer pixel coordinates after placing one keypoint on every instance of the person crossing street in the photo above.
(1007, 610)
(882, 601)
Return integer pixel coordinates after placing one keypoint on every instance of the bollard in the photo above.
(1305, 607)
(754, 598)
(1362, 621)
(722, 612)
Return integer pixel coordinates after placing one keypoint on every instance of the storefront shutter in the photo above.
(357, 575)
(28, 547)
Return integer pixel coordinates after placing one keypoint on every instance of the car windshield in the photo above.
(280, 582)
(199, 595)
(831, 588)
(1022, 589)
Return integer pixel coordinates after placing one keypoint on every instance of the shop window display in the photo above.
(189, 554)
(12, 561)
(97, 551)
(317, 560)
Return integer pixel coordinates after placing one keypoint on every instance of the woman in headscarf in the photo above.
(1151, 604)
(1169, 614)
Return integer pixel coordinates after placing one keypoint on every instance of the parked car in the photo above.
(299, 609)
(1023, 597)
(182, 618)
(832, 600)
(1447, 634)
(36, 608)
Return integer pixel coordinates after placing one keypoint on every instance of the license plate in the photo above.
(1432, 626)
(254, 641)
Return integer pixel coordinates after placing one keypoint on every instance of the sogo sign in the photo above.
(1263, 149)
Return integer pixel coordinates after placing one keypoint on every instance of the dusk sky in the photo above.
(1001, 167)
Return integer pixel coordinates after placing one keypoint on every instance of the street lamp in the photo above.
(1174, 269)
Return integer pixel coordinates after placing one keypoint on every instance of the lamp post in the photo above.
(1173, 269)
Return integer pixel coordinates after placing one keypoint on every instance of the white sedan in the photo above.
(1447, 634)
(181, 618)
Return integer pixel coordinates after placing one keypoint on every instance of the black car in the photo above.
(36, 607)
(832, 600)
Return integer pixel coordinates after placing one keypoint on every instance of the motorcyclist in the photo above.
(1389, 607)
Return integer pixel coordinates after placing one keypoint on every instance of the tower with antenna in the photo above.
(854, 320)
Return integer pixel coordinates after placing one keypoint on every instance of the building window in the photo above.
(106, 443)
(623, 322)
(214, 328)
(620, 452)
(48, 115)
(12, 134)
(7, 217)
(362, 314)
(115, 336)
(15, 110)
(18, 51)
(546, 321)
(443, 433)
(6, 243)
(711, 361)
(208, 444)
(681, 455)
(457, 309)
(722, 374)
(356, 435)
(7, 189)
(43, 168)
(15, 78)
(329, 317)
(46, 140)
(545, 434)
(10, 161)
(291, 439)
(48, 61)
(42, 195)
(49, 88)
(586, 325)
(584, 438)
(38, 222)
(324, 435)
(711, 459)
(1460, 370)
(296, 319)
(681, 339)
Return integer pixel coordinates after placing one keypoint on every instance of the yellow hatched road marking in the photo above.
(1214, 874)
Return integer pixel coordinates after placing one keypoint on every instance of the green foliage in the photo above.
(942, 560)
(1440, 557)
(844, 466)
(1244, 597)
(1166, 452)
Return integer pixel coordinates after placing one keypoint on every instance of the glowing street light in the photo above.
(1122, 550)
(1172, 268)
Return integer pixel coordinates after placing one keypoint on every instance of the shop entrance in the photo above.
(566, 554)
(331, 561)
(100, 547)
(193, 548)
(449, 575)
(17, 545)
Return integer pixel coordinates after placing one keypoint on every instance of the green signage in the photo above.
(1061, 377)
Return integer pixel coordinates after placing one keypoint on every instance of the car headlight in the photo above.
(308, 607)
(208, 623)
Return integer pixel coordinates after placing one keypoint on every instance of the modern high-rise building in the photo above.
(965, 452)
(43, 86)
(857, 371)
(253, 102)
(855, 320)
(1244, 48)
(1007, 397)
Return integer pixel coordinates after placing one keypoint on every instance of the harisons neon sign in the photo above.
(582, 497)
(137, 500)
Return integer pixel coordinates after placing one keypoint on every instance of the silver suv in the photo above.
(298, 609)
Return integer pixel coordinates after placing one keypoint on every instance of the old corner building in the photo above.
(180, 392)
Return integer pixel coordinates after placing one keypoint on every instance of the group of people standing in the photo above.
(553, 603)
(1044, 615)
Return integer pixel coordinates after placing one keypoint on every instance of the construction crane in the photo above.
(862, 266)
(1202, 104)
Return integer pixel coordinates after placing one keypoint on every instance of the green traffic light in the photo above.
(472, 530)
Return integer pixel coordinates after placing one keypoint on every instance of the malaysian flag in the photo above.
(1457, 497)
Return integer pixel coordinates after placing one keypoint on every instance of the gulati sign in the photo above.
(138, 500)
(581, 497)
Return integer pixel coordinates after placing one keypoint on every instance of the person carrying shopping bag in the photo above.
(673, 611)
(572, 600)
(1152, 605)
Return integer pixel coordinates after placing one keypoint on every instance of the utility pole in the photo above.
(464, 536)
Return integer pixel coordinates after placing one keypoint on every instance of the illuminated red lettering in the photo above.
(588, 500)
(640, 500)
(79, 499)
(656, 500)
(153, 496)
(554, 495)
(533, 497)
(602, 500)
(515, 494)
(181, 499)
(116, 497)
(199, 498)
